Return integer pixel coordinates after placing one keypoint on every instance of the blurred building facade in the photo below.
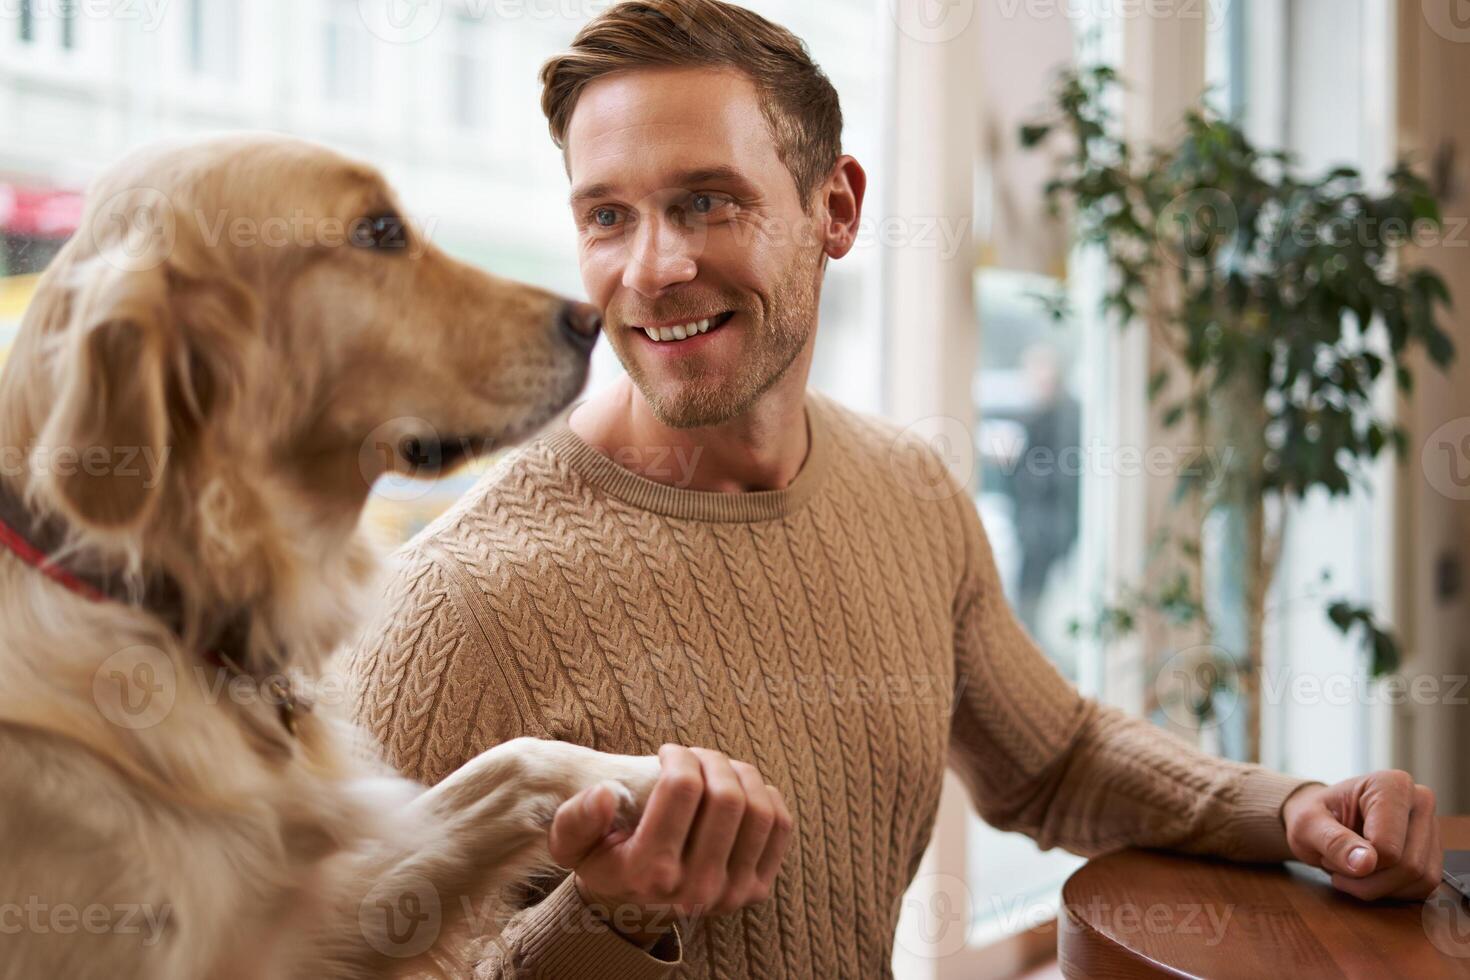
(442, 95)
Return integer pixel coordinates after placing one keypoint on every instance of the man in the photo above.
(710, 556)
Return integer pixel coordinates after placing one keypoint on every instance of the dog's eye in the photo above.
(385, 231)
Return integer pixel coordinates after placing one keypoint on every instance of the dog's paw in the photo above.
(632, 787)
(625, 817)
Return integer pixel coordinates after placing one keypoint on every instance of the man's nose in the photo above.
(660, 257)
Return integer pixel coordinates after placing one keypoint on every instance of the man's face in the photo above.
(690, 224)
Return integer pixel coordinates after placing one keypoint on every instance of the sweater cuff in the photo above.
(563, 939)
(1254, 830)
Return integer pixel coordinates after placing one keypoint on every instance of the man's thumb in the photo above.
(1343, 852)
(580, 825)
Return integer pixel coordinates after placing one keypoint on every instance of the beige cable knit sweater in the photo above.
(848, 635)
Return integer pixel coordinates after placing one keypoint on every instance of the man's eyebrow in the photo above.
(688, 178)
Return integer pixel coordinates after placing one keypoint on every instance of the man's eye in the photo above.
(385, 231)
(707, 203)
(605, 218)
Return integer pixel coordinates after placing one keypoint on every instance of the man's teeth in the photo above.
(682, 332)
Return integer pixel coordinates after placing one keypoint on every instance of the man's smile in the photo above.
(683, 331)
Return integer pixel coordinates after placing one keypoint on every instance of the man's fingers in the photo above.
(1386, 801)
(672, 806)
(580, 825)
(1433, 861)
(755, 828)
(720, 816)
(1388, 882)
(1416, 874)
(1338, 848)
(1427, 860)
(775, 851)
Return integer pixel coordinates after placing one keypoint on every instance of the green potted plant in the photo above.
(1280, 301)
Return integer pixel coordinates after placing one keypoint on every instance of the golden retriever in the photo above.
(243, 336)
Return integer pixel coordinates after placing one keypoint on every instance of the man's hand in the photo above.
(710, 843)
(1375, 833)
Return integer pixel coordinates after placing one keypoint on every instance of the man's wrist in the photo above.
(638, 926)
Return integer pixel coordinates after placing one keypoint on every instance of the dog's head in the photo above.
(242, 337)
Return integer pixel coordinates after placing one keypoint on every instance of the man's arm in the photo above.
(430, 691)
(1039, 758)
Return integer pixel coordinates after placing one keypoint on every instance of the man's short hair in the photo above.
(798, 100)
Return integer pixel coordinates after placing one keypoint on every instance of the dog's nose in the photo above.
(581, 323)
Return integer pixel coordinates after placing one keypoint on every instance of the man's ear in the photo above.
(842, 199)
(106, 438)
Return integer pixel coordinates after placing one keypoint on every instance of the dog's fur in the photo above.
(212, 324)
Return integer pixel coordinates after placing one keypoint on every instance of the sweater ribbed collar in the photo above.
(700, 505)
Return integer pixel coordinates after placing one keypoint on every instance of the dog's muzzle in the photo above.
(580, 323)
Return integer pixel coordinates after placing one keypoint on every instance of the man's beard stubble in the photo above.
(772, 344)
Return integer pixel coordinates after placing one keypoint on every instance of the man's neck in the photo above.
(761, 449)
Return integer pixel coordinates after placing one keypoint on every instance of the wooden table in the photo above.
(1148, 914)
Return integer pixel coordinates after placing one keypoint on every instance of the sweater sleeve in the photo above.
(429, 689)
(1039, 758)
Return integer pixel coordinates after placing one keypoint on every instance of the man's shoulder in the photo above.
(863, 431)
(925, 462)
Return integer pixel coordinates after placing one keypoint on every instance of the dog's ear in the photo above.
(146, 357)
(106, 438)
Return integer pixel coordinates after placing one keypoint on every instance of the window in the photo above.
(50, 25)
(346, 55)
(1030, 397)
(470, 93)
(213, 49)
(69, 24)
(1317, 81)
